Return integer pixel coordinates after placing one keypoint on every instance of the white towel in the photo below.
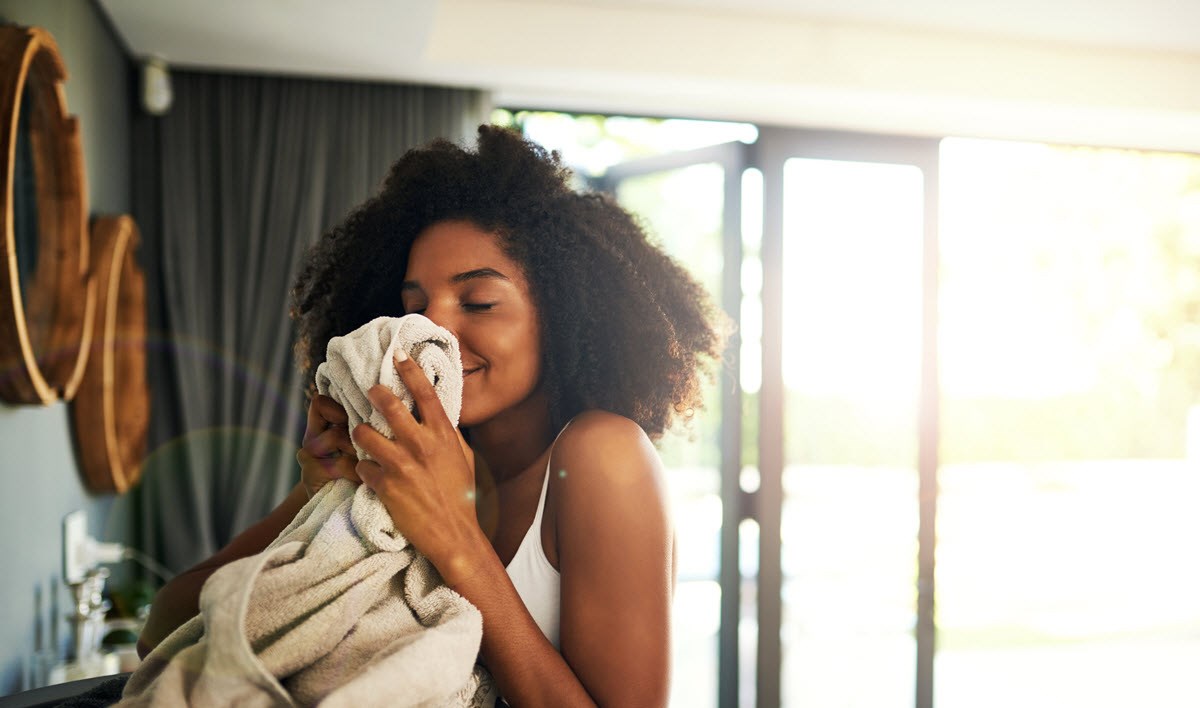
(339, 609)
(363, 358)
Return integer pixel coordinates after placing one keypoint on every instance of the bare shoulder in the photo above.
(607, 480)
(608, 451)
(610, 489)
(615, 546)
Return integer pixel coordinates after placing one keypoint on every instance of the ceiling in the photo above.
(1119, 72)
(1151, 24)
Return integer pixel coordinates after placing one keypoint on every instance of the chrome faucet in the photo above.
(90, 609)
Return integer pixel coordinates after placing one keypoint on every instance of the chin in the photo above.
(471, 416)
(468, 417)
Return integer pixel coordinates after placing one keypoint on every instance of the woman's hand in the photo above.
(327, 453)
(425, 477)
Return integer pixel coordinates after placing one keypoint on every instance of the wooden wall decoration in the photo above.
(72, 303)
(45, 322)
(111, 410)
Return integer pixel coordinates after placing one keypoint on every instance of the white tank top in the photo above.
(536, 581)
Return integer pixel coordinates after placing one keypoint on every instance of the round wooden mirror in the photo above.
(111, 411)
(46, 294)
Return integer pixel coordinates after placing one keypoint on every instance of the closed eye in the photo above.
(478, 306)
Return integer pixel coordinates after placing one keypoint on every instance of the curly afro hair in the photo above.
(624, 327)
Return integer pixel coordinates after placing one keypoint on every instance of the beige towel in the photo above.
(363, 358)
(339, 609)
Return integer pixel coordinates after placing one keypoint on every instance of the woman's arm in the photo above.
(528, 670)
(614, 547)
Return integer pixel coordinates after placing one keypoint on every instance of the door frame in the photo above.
(774, 147)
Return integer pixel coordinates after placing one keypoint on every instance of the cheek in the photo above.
(518, 342)
(512, 348)
(533, 339)
(524, 353)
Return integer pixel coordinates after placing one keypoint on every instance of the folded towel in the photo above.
(363, 358)
(339, 609)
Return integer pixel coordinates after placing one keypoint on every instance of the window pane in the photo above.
(851, 352)
(1070, 371)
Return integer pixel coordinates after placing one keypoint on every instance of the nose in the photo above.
(444, 315)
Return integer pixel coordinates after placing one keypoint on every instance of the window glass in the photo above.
(1070, 373)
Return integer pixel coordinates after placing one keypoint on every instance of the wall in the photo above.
(38, 464)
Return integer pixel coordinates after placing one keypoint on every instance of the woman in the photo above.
(580, 342)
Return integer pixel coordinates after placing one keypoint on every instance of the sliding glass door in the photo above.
(803, 542)
(999, 336)
(851, 311)
(848, 418)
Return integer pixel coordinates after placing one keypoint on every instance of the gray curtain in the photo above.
(230, 189)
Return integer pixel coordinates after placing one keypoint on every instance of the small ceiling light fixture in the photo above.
(156, 86)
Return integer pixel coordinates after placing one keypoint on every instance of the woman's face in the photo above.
(459, 277)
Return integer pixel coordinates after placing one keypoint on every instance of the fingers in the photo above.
(333, 467)
(428, 405)
(323, 412)
(383, 451)
(327, 451)
(370, 473)
(331, 410)
(332, 442)
(315, 471)
(315, 423)
(412, 440)
(375, 444)
(467, 450)
(397, 415)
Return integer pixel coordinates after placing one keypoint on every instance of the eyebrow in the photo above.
(461, 277)
(478, 273)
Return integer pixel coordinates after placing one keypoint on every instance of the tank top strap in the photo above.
(536, 526)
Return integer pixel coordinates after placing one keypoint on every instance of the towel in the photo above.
(363, 358)
(339, 610)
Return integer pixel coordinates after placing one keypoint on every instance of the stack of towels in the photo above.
(339, 610)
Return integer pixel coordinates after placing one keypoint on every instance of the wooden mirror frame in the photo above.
(61, 289)
(111, 411)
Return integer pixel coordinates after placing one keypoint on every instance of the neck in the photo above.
(512, 441)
